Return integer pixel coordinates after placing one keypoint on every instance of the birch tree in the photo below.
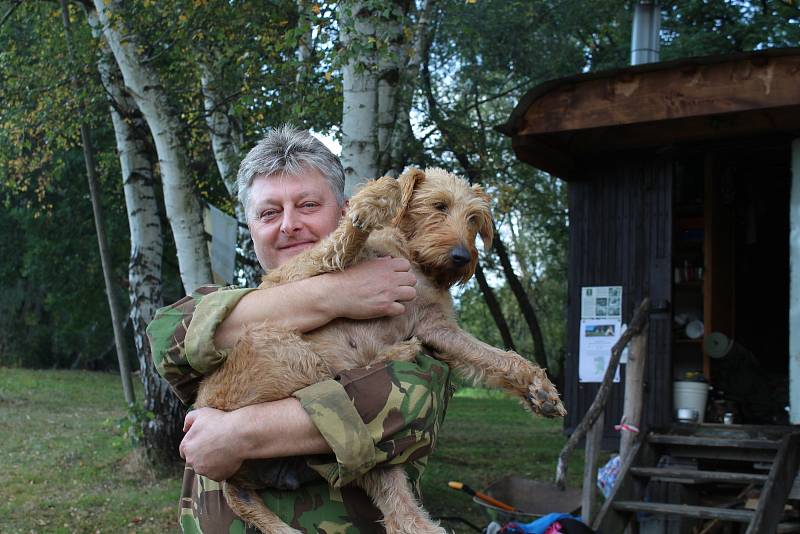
(359, 93)
(161, 434)
(182, 204)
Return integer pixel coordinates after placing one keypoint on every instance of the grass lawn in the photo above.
(64, 467)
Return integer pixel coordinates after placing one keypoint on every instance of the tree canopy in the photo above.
(398, 82)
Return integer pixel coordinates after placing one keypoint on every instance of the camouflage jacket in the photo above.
(386, 414)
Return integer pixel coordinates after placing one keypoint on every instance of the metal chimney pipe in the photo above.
(645, 42)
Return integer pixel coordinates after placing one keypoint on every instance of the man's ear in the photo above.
(486, 228)
(345, 207)
(408, 181)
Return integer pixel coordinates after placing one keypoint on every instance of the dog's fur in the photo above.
(432, 218)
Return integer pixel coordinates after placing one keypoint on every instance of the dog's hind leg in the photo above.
(248, 505)
(404, 351)
(391, 492)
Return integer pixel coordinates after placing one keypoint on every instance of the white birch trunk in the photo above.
(226, 143)
(396, 135)
(162, 435)
(390, 66)
(226, 137)
(402, 135)
(305, 45)
(181, 201)
(360, 98)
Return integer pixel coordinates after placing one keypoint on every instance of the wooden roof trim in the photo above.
(660, 91)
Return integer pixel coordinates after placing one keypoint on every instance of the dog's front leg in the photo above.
(480, 362)
(371, 209)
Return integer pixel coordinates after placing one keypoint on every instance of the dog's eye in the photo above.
(440, 206)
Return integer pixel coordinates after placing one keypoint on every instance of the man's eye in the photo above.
(269, 214)
(310, 205)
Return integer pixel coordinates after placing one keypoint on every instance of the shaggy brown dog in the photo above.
(435, 218)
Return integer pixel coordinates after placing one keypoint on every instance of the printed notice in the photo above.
(601, 302)
(597, 337)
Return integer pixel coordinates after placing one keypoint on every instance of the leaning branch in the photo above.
(638, 324)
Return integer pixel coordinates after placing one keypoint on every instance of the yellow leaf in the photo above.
(471, 1)
(328, 76)
(315, 8)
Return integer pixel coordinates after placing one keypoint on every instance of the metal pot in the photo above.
(686, 415)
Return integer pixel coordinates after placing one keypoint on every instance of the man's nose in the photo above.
(291, 222)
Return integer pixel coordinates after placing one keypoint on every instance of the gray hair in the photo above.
(289, 151)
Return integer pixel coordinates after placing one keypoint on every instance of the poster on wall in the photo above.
(600, 328)
(601, 302)
(598, 336)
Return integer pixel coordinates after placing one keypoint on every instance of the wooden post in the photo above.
(634, 390)
(794, 291)
(639, 321)
(594, 440)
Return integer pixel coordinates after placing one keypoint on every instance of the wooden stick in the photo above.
(594, 440)
(638, 324)
(634, 385)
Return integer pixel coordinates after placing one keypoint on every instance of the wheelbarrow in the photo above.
(530, 499)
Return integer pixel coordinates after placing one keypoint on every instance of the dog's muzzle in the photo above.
(460, 256)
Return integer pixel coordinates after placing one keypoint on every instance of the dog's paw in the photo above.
(542, 398)
(376, 205)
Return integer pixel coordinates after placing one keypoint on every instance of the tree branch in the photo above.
(638, 324)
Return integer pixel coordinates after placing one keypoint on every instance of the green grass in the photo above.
(64, 467)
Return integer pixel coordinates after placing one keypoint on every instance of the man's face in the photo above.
(289, 214)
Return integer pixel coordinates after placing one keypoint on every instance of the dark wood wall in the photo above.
(620, 219)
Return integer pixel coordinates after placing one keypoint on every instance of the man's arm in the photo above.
(375, 288)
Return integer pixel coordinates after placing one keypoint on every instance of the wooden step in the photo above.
(692, 476)
(685, 510)
(747, 450)
(696, 441)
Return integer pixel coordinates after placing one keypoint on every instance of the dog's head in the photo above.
(441, 215)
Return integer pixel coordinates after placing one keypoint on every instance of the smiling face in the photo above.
(289, 214)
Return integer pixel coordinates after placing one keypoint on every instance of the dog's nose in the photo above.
(460, 256)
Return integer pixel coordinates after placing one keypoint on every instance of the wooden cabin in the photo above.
(680, 188)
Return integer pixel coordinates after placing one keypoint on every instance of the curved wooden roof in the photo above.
(560, 123)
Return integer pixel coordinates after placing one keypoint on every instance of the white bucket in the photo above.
(689, 394)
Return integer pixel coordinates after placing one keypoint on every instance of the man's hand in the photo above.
(210, 445)
(374, 288)
(216, 442)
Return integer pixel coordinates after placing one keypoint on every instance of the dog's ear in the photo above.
(485, 228)
(409, 181)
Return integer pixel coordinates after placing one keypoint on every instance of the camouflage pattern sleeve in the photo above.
(182, 337)
(388, 413)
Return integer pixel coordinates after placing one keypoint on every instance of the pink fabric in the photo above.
(555, 528)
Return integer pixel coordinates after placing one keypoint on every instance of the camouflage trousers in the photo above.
(315, 508)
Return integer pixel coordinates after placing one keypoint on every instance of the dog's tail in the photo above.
(248, 505)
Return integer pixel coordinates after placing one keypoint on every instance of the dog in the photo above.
(432, 218)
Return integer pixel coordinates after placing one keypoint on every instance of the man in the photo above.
(291, 188)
